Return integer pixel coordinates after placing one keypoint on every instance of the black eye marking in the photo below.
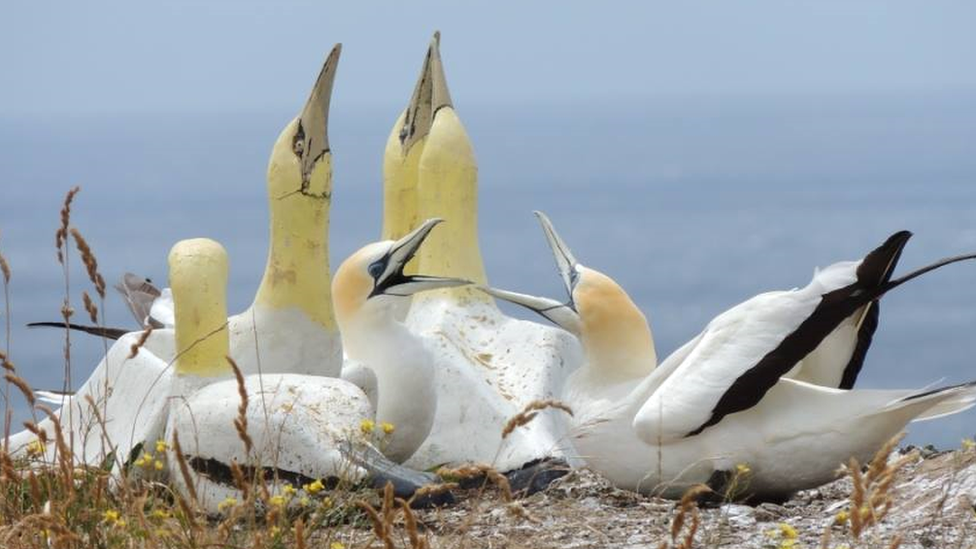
(376, 268)
(298, 143)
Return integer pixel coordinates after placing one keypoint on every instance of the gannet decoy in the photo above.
(290, 327)
(430, 171)
(298, 423)
(720, 400)
(290, 324)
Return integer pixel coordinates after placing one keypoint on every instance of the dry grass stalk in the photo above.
(686, 520)
(90, 307)
(64, 455)
(7, 365)
(240, 423)
(381, 528)
(240, 480)
(300, 534)
(410, 521)
(62, 233)
(5, 269)
(143, 338)
(871, 496)
(184, 469)
(517, 510)
(432, 489)
(477, 470)
(19, 383)
(91, 264)
(895, 542)
(8, 472)
(531, 410)
(67, 311)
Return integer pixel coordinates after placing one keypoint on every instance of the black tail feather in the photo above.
(107, 333)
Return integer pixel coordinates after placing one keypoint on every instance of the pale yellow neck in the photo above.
(297, 274)
(198, 279)
(448, 188)
(400, 184)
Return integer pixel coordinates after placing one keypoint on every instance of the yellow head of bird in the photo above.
(198, 278)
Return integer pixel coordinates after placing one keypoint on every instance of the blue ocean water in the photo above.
(692, 204)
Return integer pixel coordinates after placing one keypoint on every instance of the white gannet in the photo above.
(290, 327)
(299, 424)
(720, 399)
(430, 171)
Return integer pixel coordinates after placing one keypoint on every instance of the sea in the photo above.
(693, 204)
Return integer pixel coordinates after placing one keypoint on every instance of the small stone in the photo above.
(769, 512)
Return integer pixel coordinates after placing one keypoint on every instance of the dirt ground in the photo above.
(932, 507)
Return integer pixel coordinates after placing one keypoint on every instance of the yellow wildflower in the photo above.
(159, 514)
(288, 490)
(314, 487)
(111, 517)
(161, 446)
(226, 504)
(337, 545)
(788, 543)
(842, 517)
(304, 501)
(277, 501)
(145, 460)
(968, 444)
(387, 427)
(327, 503)
(367, 426)
(275, 530)
(158, 465)
(742, 469)
(35, 448)
(787, 531)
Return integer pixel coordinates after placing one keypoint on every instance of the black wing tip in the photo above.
(879, 263)
(939, 390)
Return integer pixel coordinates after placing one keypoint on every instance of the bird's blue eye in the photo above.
(376, 269)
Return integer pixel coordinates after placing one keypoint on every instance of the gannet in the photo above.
(298, 423)
(290, 327)
(720, 401)
(430, 171)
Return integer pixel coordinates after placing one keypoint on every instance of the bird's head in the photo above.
(372, 278)
(613, 331)
(301, 161)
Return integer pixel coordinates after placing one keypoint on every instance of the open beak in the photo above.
(565, 261)
(392, 281)
(563, 315)
(560, 314)
(312, 136)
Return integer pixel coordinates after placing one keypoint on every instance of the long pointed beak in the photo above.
(560, 314)
(394, 282)
(312, 139)
(429, 95)
(565, 260)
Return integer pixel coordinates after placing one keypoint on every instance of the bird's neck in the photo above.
(400, 185)
(404, 379)
(297, 274)
(448, 188)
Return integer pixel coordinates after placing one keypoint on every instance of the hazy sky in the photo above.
(97, 56)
